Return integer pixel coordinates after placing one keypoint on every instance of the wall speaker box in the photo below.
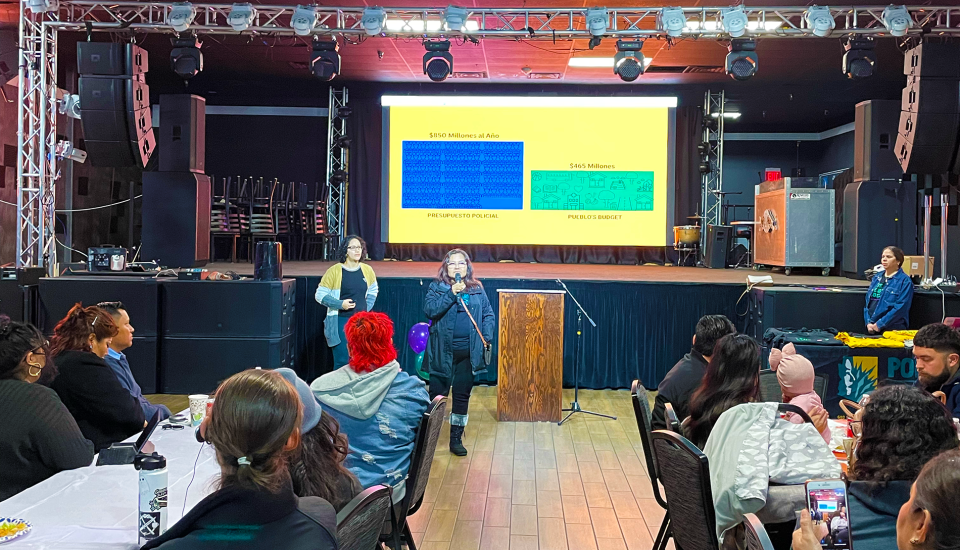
(223, 308)
(875, 132)
(877, 214)
(719, 242)
(144, 359)
(182, 133)
(933, 59)
(198, 365)
(176, 218)
(140, 296)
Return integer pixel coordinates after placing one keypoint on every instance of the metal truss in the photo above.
(545, 23)
(712, 181)
(338, 169)
(36, 142)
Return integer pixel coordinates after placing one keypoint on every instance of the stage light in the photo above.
(734, 21)
(742, 60)
(706, 167)
(727, 114)
(66, 150)
(859, 58)
(672, 21)
(819, 20)
(373, 20)
(303, 20)
(181, 16)
(241, 16)
(455, 18)
(342, 142)
(186, 59)
(338, 177)
(343, 112)
(42, 6)
(325, 60)
(628, 63)
(69, 105)
(438, 61)
(897, 20)
(597, 20)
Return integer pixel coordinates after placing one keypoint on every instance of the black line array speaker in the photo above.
(228, 308)
(115, 104)
(182, 146)
(717, 249)
(928, 134)
(875, 132)
(176, 218)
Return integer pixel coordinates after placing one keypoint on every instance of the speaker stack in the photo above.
(929, 129)
(176, 199)
(115, 104)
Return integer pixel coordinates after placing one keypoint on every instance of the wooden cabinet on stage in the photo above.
(530, 358)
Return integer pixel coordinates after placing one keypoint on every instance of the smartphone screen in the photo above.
(827, 502)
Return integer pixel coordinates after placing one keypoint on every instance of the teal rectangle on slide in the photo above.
(591, 190)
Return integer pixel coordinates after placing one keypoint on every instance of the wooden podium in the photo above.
(530, 358)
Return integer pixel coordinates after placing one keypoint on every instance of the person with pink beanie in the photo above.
(795, 374)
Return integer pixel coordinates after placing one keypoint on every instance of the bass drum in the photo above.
(686, 234)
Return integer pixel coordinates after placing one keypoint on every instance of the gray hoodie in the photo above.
(357, 395)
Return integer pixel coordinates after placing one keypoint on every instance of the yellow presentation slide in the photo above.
(528, 170)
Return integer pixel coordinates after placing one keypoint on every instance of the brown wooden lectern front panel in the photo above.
(530, 373)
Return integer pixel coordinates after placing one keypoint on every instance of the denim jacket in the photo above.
(893, 310)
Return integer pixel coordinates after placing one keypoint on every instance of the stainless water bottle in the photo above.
(153, 496)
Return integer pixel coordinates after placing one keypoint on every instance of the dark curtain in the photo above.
(687, 167)
(363, 191)
(642, 328)
(364, 207)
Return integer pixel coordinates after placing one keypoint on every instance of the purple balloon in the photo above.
(417, 337)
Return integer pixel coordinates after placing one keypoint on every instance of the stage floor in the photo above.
(582, 272)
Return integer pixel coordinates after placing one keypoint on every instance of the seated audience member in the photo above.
(317, 467)
(118, 361)
(254, 426)
(795, 375)
(901, 429)
(928, 520)
(38, 437)
(105, 412)
(378, 405)
(732, 378)
(685, 377)
(936, 348)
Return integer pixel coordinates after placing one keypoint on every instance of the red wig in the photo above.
(370, 341)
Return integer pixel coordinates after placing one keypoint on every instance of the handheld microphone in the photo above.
(457, 278)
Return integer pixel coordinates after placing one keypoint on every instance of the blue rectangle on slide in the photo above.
(470, 175)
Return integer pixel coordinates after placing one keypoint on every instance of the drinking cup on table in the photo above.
(198, 408)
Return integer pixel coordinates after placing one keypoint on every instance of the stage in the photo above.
(574, 272)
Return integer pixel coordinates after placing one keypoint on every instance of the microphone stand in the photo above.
(578, 360)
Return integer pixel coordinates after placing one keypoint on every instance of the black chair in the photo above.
(420, 462)
(673, 423)
(788, 408)
(360, 522)
(685, 475)
(770, 386)
(641, 409)
(755, 536)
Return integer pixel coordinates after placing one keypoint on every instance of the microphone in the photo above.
(457, 278)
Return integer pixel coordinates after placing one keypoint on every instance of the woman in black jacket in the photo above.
(458, 306)
(254, 427)
(38, 437)
(104, 410)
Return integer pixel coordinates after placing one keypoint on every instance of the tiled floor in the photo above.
(523, 486)
(537, 486)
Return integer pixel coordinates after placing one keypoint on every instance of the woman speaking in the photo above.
(889, 296)
(463, 325)
(347, 287)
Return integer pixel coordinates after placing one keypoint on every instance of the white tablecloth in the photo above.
(96, 507)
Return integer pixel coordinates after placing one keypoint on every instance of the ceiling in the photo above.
(799, 85)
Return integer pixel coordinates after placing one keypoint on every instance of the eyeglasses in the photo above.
(458, 264)
(354, 248)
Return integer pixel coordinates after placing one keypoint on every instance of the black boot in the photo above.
(456, 443)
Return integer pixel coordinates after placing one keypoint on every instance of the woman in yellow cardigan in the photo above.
(347, 287)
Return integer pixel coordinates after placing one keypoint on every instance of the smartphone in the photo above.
(827, 502)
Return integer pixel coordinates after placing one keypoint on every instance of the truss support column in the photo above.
(36, 141)
(338, 170)
(711, 175)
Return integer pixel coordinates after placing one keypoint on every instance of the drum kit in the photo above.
(686, 240)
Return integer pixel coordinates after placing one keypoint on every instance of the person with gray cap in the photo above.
(317, 469)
